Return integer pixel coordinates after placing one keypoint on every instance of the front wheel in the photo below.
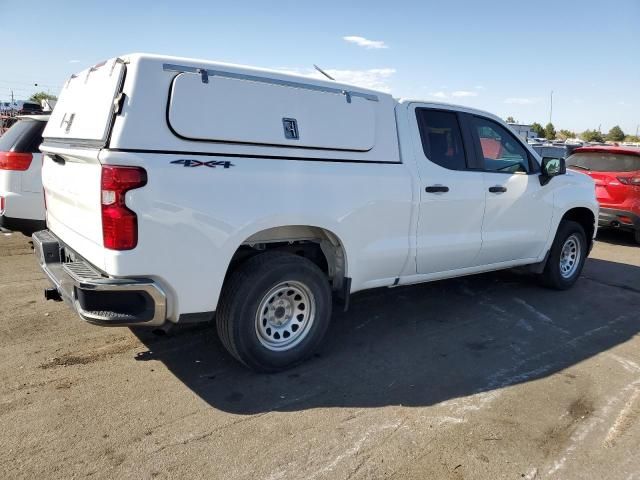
(567, 256)
(274, 311)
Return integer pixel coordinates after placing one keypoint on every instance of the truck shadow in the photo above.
(421, 345)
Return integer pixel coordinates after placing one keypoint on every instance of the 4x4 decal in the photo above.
(210, 164)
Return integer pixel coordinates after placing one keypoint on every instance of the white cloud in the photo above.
(479, 87)
(521, 100)
(74, 61)
(373, 78)
(464, 93)
(364, 42)
(438, 95)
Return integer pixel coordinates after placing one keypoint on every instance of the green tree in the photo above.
(592, 136)
(39, 96)
(564, 134)
(549, 131)
(538, 129)
(510, 119)
(615, 134)
(631, 138)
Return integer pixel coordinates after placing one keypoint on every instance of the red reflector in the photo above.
(625, 219)
(630, 180)
(119, 224)
(15, 161)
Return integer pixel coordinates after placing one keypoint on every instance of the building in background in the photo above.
(523, 131)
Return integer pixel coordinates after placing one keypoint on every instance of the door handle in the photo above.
(436, 189)
(497, 189)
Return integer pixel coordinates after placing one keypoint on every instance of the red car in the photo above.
(616, 172)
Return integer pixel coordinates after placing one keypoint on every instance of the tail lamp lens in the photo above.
(630, 181)
(15, 161)
(119, 223)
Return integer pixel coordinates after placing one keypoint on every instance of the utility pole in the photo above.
(637, 128)
(12, 96)
(551, 107)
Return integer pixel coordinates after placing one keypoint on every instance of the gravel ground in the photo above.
(483, 377)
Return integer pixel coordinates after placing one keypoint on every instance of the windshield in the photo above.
(604, 162)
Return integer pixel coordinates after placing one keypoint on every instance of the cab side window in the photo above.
(441, 138)
(501, 151)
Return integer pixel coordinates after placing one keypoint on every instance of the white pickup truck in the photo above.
(181, 190)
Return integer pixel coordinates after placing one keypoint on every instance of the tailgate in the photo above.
(71, 182)
(609, 189)
(85, 108)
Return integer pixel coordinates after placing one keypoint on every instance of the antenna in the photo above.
(323, 72)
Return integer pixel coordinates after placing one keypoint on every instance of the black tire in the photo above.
(552, 277)
(243, 293)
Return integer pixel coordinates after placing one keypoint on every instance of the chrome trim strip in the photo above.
(205, 73)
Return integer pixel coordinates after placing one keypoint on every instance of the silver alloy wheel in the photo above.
(285, 316)
(570, 256)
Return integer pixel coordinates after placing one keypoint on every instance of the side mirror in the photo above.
(552, 167)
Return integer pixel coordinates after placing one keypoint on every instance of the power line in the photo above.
(31, 83)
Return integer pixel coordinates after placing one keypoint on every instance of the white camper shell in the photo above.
(179, 104)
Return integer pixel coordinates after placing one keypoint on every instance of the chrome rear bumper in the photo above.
(96, 297)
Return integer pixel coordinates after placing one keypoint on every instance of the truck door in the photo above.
(518, 209)
(452, 199)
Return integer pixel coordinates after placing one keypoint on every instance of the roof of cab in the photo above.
(450, 106)
(312, 79)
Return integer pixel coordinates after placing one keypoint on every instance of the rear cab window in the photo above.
(604, 162)
(25, 136)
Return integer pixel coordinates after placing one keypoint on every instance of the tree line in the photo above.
(549, 132)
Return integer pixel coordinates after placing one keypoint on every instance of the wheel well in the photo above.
(584, 217)
(317, 244)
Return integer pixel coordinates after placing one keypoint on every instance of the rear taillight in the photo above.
(630, 181)
(1, 205)
(15, 161)
(119, 224)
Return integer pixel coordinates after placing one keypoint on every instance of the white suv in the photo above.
(21, 198)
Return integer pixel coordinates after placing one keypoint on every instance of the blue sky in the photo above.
(498, 55)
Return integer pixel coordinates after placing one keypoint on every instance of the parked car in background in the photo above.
(21, 107)
(554, 150)
(616, 172)
(26, 107)
(21, 198)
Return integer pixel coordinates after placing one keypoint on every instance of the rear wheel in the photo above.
(567, 256)
(274, 311)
